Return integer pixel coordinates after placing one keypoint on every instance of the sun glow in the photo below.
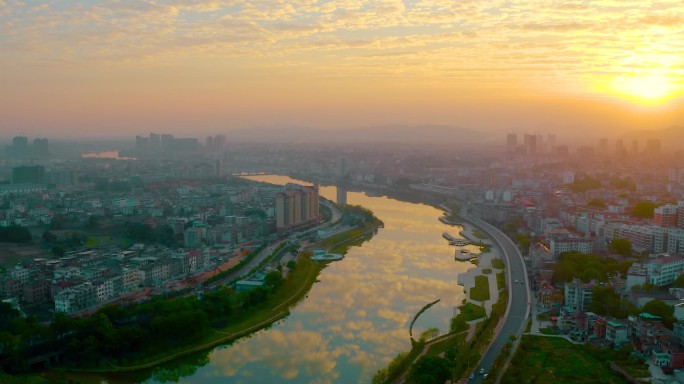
(646, 88)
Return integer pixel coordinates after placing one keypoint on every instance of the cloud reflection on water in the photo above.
(356, 318)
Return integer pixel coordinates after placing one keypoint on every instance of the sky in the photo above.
(127, 67)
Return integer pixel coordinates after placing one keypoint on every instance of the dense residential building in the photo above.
(570, 244)
(640, 236)
(665, 216)
(28, 174)
(578, 295)
(616, 332)
(663, 269)
(76, 299)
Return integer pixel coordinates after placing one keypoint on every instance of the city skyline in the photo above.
(124, 68)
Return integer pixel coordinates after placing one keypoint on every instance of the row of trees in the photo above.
(587, 267)
(585, 183)
(15, 234)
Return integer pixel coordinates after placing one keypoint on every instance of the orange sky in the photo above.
(120, 68)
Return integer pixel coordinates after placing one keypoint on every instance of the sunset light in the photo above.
(652, 88)
(337, 64)
(341, 191)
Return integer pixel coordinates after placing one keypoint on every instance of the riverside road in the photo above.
(518, 311)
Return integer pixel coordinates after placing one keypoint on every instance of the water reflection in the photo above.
(106, 155)
(355, 320)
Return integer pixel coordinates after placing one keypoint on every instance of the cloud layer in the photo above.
(202, 57)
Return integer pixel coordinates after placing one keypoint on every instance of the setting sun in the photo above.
(647, 88)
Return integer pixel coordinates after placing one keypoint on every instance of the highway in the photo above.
(519, 309)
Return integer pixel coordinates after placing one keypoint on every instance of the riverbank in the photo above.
(295, 287)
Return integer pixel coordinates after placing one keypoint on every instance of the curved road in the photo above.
(519, 298)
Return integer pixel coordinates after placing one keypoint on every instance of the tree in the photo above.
(679, 282)
(274, 279)
(58, 250)
(621, 246)
(15, 234)
(583, 184)
(605, 301)
(596, 203)
(643, 210)
(458, 324)
(139, 232)
(523, 241)
(658, 308)
(430, 369)
(49, 237)
(625, 183)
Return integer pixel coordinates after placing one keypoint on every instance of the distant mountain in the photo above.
(423, 134)
(670, 138)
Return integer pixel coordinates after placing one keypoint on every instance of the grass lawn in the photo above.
(479, 234)
(471, 311)
(501, 280)
(555, 360)
(475, 261)
(484, 248)
(547, 331)
(480, 292)
(498, 264)
(487, 271)
(101, 241)
(22, 379)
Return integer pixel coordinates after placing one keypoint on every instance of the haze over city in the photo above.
(116, 69)
(350, 191)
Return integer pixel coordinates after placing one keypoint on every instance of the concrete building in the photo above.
(76, 299)
(583, 245)
(663, 269)
(641, 236)
(665, 216)
(636, 275)
(28, 174)
(296, 206)
(578, 295)
(193, 236)
(617, 332)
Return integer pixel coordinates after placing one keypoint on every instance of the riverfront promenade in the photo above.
(518, 308)
(467, 279)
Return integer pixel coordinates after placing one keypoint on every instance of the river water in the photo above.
(106, 155)
(355, 319)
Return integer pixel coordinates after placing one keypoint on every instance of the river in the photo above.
(355, 319)
(106, 155)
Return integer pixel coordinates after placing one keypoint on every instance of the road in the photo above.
(245, 270)
(518, 311)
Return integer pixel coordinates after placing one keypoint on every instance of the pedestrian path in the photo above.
(467, 279)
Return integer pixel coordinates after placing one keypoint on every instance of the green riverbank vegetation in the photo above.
(448, 357)
(555, 360)
(141, 336)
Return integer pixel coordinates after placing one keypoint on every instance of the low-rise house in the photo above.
(76, 299)
(617, 332)
(550, 296)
